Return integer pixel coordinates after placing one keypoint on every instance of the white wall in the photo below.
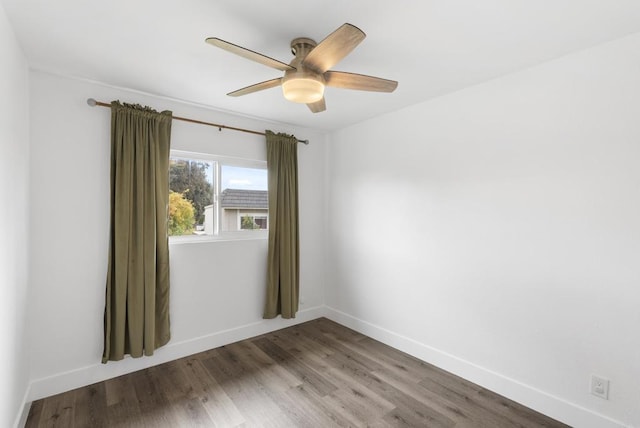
(217, 288)
(14, 188)
(496, 232)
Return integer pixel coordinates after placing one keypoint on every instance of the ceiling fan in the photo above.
(306, 76)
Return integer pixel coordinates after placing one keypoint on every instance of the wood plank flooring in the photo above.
(316, 374)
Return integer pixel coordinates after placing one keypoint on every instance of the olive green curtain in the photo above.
(284, 252)
(136, 316)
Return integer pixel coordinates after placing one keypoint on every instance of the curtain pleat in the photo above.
(136, 317)
(284, 247)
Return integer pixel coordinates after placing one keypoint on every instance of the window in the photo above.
(216, 196)
(252, 221)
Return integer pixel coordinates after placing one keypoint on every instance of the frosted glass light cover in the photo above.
(303, 90)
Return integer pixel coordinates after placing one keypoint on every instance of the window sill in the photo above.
(223, 237)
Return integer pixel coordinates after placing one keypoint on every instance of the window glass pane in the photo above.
(191, 186)
(244, 203)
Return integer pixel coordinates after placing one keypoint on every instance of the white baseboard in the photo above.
(98, 372)
(526, 395)
(21, 418)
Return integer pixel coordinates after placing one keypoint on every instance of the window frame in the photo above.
(218, 161)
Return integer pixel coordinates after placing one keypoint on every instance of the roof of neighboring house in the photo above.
(241, 198)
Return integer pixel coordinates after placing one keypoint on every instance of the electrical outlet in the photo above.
(600, 387)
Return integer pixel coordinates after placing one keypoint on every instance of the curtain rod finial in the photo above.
(92, 102)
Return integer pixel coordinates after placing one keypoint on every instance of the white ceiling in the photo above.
(432, 47)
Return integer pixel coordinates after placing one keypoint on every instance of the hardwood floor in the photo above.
(316, 374)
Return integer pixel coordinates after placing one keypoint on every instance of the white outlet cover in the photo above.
(599, 386)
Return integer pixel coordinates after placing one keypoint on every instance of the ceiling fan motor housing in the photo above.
(302, 85)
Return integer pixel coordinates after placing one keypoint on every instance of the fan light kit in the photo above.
(303, 89)
(308, 73)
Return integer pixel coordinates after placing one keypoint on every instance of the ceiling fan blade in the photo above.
(257, 87)
(334, 47)
(361, 82)
(318, 106)
(249, 54)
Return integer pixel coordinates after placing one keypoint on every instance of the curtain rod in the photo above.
(92, 102)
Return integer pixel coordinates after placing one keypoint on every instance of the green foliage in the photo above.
(247, 223)
(181, 215)
(189, 178)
